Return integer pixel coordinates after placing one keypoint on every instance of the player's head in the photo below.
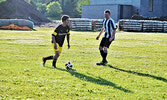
(65, 19)
(107, 14)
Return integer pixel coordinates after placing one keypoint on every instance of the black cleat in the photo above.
(100, 63)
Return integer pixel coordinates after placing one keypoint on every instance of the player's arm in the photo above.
(54, 41)
(68, 39)
(53, 37)
(113, 34)
(114, 27)
(102, 30)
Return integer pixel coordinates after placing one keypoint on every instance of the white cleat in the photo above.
(53, 67)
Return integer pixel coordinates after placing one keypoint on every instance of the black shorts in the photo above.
(105, 42)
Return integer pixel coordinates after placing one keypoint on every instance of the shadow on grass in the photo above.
(139, 74)
(98, 80)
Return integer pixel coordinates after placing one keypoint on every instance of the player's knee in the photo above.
(100, 48)
(58, 54)
(105, 48)
(54, 56)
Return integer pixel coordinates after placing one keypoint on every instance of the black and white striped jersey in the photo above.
(109, 26)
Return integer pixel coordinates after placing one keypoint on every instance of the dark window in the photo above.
(150, 5)
(121, 12)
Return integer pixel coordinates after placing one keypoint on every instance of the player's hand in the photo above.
(97, 37)
(111, 39)
(55, 46)
(68, 46)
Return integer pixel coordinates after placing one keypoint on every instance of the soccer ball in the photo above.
(68, 65)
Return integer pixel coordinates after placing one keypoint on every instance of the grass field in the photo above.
(137, 67)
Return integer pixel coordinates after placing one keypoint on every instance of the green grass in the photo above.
(137, 67)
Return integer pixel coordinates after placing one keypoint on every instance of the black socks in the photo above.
(104, 55)
(51, 58)
(48, 58)
(54, 62)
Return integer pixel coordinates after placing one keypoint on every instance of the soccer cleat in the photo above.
(101, 63)
(105, 62)
(53, 66)
(44, 61)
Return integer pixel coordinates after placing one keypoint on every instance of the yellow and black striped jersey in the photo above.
(60, 33)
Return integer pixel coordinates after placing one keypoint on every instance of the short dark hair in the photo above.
(64, 18)
(107, 11)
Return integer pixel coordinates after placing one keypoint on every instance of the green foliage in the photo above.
(73, 7)
(41, 7)
(33, 3)
(54, 9)
(69, 7)
(138, 71)
(80, 4)
(2, 1)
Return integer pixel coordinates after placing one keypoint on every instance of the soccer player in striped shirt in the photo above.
(109, 27)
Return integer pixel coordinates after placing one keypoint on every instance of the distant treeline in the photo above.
(55, 8)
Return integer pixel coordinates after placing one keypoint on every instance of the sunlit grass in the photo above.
(137, 67)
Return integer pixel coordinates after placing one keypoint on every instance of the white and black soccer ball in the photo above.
(68, 65)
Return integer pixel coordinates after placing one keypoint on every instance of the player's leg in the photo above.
(106, 46)
(101, 49)
(102, 55)
(105, 55)
(44, 59)
(55, 57)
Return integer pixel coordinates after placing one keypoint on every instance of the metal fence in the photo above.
(142, 25)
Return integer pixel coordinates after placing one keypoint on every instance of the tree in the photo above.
(69, 8)
(2, 1)
(80, 4)
(73, 8)
(54, 9)
(41, 7)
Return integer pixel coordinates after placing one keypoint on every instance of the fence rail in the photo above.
(84, 24)
(143, 25)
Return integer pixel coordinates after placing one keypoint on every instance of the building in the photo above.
(122, 9)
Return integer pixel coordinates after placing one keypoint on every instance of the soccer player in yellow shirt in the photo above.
(58, 38)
